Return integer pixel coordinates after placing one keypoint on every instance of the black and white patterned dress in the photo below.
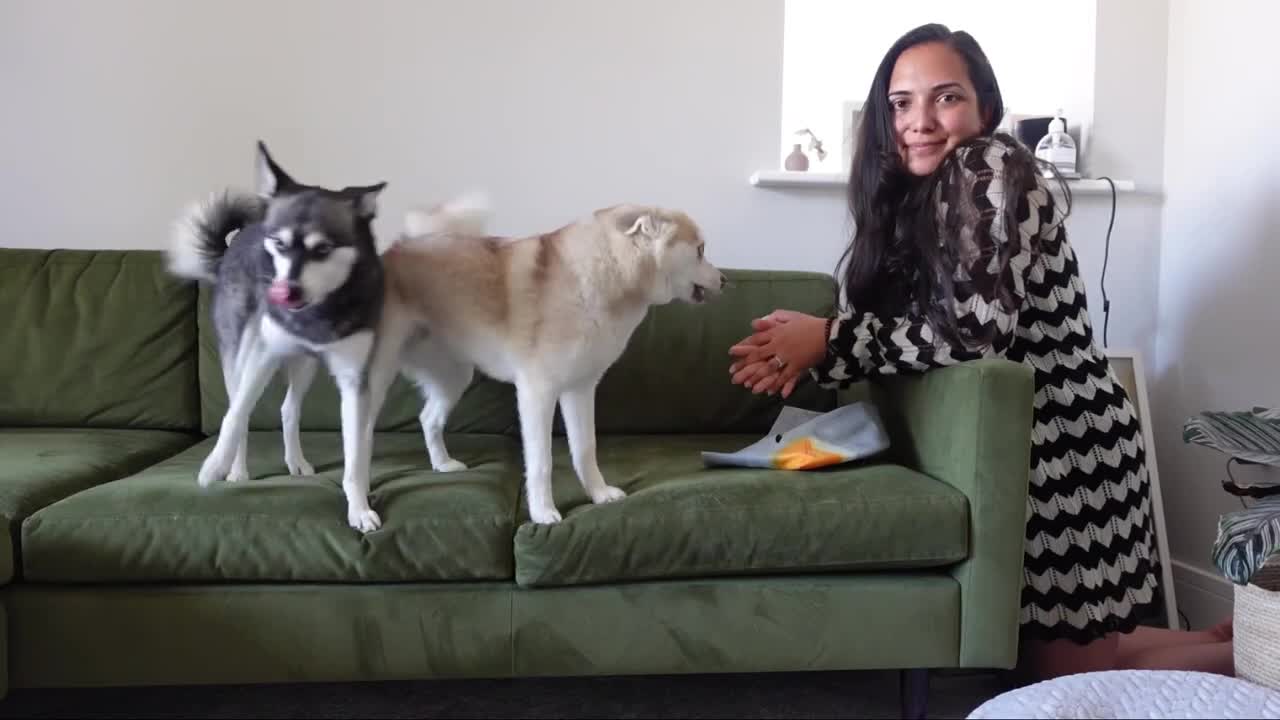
(1089, 563)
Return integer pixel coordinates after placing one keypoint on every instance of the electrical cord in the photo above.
(1106, 256)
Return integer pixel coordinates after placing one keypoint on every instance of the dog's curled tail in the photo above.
(467, 215)
(199, 237)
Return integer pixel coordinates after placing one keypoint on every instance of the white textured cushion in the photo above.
(1135, 694)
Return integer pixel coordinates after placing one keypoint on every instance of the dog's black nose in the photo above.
(295, 293)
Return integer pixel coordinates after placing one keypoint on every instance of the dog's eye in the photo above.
(280, 244)
(321, 250)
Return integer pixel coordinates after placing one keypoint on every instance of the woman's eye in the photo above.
(949, 98)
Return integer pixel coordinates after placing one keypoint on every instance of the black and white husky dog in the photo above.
(299, 282)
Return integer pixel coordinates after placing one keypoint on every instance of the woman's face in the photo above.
(934, 105)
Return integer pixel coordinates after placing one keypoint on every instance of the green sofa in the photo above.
(117, 569)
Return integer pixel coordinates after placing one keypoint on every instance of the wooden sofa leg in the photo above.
(915, 693)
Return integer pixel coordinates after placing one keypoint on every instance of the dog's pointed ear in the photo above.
(365, 198)
(272, 179)
(639, 221)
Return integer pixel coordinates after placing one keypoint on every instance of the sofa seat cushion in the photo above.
(41, 466)
(683, 520)
(159, 525)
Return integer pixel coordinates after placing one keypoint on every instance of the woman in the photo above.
(960, 252)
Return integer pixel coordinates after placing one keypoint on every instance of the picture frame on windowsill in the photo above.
(852, 111)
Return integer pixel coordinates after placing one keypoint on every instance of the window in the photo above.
(1042, 52)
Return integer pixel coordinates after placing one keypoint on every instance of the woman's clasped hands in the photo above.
(783, 347)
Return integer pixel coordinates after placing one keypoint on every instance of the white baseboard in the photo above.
(1203, 596)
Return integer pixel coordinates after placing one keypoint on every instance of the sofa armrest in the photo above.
(9, 532)
(7, 562)
(969, 426)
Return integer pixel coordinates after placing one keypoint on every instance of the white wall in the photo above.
(1132, 54)
(1127, 141)
(1219, 332)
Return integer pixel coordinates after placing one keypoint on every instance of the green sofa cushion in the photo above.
(232, 633)
(41, 466)
(799, 622)
(681, 520)
(159, 525)
(102, 339)
(72, 636)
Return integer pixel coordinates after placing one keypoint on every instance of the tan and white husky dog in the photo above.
(549, 313)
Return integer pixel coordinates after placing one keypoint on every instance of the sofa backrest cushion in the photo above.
(96, 339)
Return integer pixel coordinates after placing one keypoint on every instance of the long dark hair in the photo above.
(899, 255)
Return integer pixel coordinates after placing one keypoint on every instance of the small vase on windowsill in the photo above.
(797, 160)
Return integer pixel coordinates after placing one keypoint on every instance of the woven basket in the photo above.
(1257, 627)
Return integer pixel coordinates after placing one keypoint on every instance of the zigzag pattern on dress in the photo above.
(1094, 616)
(1064, 550)
(1044, 489)
(1089, 560)
(1084, 508)
(1098, 458)
(1116, 575)
(1124, 574)
(1084, 432)
(1072, 587)
(1111, 524)
(1077, 423)
(1078, 366)
(1112, 572)
(1095, 393)
(1047, 349)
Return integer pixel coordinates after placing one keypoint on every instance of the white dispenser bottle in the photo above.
(1058, 148)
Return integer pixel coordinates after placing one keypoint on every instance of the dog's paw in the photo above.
(299, 466)
(451, 466)
(211, 472)
(607, 494)
(364, 520)
(238, 475)
(546, 515)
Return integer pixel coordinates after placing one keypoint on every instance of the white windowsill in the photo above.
(794, 179)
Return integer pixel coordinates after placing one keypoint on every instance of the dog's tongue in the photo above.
(278, 293)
